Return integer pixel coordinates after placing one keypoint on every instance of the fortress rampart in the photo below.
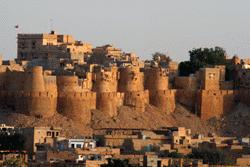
(131, 79)
(68, 84)
(137, 100)
(156, 81)
(214, 103)
(244, 96)
(106, 85)
(109, 102)
(131, 82)
(73, 102)
(117, 79)
(40, 94)
(189, 83)
(106, 80)
(163, 99)
(187, 97)
(77, 105)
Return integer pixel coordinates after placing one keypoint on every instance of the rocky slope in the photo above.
(237, 123)
(152, 118)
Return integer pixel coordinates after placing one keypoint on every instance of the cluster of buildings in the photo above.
(46, 146)
(55, 73)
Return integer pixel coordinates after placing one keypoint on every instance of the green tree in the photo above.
(202, 57)
(161, 58)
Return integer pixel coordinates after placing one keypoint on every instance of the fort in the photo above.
(75, 86)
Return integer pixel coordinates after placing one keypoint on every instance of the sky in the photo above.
(141, 26)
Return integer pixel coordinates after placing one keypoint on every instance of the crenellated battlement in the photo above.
(35, 94)
(38, 93)
(82, 95)
(111, 95)
(165, 92)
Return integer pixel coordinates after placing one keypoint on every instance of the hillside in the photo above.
(236, 124)
(152, 118)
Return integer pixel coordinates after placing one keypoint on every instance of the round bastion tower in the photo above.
(105, 85)
(35, 99)
(131, 83)
(156, 81)
(73, 101)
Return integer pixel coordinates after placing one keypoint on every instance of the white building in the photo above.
(77, 143)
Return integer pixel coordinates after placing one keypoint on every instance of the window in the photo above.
(78, 146)
(211, 75)
(33, 45)
(72, 146)
(48, 133)
(22, 45)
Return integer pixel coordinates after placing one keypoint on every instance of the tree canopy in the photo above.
(161, 58)
(202, 57)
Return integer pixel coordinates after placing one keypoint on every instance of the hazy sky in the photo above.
(140, 26)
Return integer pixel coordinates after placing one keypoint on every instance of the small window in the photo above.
(33, 45)
(78, 146)
(48, 133)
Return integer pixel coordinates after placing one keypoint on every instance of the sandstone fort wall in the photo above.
(131, 79)
(109, 102)
(214, 103)
(163, 99)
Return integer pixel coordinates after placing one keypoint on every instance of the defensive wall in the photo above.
(77, 105)
(163, 99)
(137, 100)
(131, 83)
(73, 101)
(42, 95)
(26, 93)
(187, 83)
(244, 96)
(160, 96)
(106, 86)
(109, 102)
(215, 103)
